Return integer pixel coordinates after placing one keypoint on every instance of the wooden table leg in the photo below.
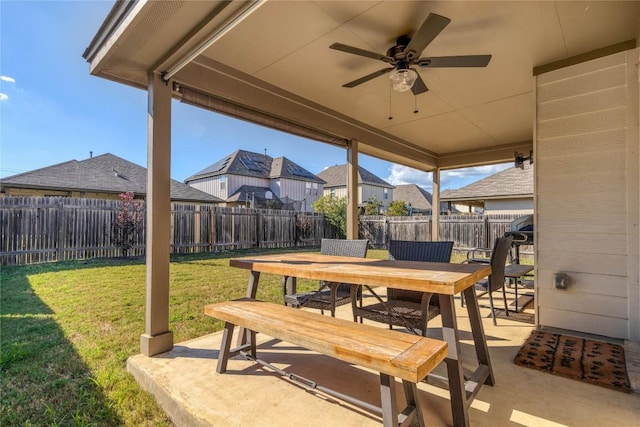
(289, 285)
(455, 372)
(477, 330)
(252, 289)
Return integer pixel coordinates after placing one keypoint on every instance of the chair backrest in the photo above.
(340, 247)
(406, 250)
(501, 250)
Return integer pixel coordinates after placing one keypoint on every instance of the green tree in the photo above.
(372, 206)
(335, 212)
(398, 208)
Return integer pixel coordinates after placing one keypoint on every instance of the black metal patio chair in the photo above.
(496, 280)
(330, 294)
(409, 309)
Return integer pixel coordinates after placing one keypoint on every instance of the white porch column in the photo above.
(157, 337)
(352, 189)
(435, 206)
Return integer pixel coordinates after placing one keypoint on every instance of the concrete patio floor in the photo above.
(186, 385)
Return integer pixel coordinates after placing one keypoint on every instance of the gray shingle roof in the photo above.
(282, 167)
(336, 176)
(247, 163)
(102, 174)
(411, 193)
(506, 184)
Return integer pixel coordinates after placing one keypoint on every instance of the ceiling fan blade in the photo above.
(454, 61)
(361, 52)
(431, 27)
(419, 86)
(368, 77)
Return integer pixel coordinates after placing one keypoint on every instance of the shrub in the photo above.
(129, 218)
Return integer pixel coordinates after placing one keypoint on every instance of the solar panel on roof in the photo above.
(252, 164)
(298, 171)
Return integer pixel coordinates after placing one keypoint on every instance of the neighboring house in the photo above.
(508, 191)
(100, 177)
(369, 185)
(244, 178)
(416, 198)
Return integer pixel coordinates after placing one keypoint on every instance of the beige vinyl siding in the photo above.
(586, 183)
(339, 192)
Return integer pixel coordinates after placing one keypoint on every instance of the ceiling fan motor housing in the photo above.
(397, 51)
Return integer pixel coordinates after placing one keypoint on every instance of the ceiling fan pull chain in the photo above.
(390, 114)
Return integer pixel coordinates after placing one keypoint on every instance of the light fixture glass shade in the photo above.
(403, 80)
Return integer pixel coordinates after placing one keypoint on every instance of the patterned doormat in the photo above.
(593, 362)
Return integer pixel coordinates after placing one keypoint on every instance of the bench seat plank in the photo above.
(405, 356)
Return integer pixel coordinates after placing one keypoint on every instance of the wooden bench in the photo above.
(391, 353)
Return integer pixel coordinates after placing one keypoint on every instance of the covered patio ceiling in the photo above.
(275, 66)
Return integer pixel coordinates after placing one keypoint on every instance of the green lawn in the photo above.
(68, 328)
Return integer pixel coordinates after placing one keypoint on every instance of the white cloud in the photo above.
(7, 79)
(454, 178)
(3, 97)
(406, 175)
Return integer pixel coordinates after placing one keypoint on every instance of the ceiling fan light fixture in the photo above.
(402, 80)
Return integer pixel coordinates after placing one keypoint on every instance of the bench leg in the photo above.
(225, 347)
(411, 395)
(252, 289)
(388, 401)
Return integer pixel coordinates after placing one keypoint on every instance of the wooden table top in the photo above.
(436, 277)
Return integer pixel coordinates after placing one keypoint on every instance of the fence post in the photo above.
(61, 230)
(487, 243)
(257, 229)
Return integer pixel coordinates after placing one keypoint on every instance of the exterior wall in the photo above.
(367, 191)
(236, 181)
(298, 190)
(587, 191)
(508, 206)
(212, 185)
(338, 192)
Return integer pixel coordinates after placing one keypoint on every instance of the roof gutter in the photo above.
(116, 16)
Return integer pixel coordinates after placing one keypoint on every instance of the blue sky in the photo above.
(52, 110)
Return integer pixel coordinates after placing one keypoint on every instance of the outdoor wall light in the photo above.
(520, 159)
(561, 281)
(402, 80)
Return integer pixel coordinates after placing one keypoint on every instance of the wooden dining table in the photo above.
(444, 279)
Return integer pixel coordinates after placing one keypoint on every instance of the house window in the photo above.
(223, 180)
(311, 188)
(386, 193)
(333, 192)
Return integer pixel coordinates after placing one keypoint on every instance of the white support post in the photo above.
(157, 337)
(352, 189)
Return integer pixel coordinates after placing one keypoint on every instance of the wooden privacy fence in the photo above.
(43, 229)
(466, 231)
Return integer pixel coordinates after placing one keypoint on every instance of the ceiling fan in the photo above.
(406, 53)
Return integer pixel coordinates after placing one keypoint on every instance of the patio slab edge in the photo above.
(175, 408)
